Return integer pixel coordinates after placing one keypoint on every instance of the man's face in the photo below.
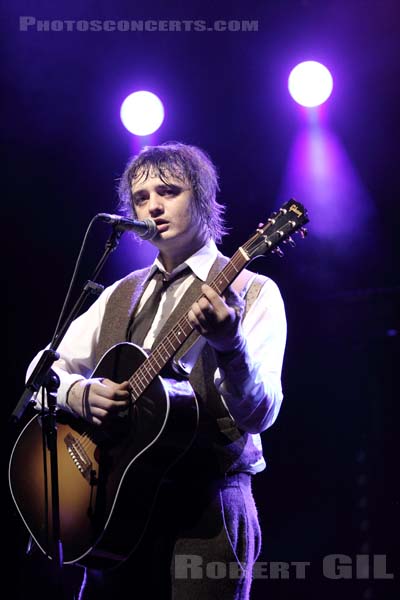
(171, 205)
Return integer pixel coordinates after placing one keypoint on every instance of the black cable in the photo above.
(72, 282)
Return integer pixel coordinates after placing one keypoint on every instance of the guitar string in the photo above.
(184, 325)
(154, 363)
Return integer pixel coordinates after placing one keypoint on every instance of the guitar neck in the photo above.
(168, 347)
(290, 218)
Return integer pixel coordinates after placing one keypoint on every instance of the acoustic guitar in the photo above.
(108, 480)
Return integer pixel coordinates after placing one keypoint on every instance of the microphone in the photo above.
(146, 229)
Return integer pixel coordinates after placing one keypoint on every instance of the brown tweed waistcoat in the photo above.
(220, 445)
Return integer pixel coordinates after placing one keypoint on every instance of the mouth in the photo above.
(162, 224)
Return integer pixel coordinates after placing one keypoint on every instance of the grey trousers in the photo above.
(201, 544)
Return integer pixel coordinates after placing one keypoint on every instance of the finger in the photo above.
(97, 415)
(113, 384)
(197, 311)
(108, 405)
(205, 306)
(192, 317)
(102, 413)
(121, 395)
(111, 390)
(194, 321)
(125, 385)
(222, 310)
(106, 414)
(202, 316)
(214, 299)
(117, 405)
(231, 296)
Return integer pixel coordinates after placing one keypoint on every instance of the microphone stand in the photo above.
(44, 376)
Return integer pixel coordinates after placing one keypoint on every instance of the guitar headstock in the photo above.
(290, 218)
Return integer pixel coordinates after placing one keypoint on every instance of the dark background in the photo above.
(331, 485)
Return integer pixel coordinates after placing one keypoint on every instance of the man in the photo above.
(205, 513)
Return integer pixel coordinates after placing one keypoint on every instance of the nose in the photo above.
(156, 206)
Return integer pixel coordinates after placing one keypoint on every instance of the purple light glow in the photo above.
(320, 174)
(310, 83)
(142, 113)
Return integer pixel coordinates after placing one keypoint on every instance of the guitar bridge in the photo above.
(79, 456)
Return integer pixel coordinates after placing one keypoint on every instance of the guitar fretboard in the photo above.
(167, 348)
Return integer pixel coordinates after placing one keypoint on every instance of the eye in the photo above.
(139, 198)
(170, 191)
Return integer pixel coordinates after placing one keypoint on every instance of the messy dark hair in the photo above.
(188, 164)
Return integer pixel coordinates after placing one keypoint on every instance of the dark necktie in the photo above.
(141, 322)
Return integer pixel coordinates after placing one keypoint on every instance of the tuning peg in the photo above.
(303, 232)
(278, 251)
(290, 241)
(261, 225)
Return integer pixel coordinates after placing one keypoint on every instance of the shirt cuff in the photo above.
(234, 366)
(67, 380)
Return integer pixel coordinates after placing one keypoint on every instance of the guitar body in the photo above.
(108, 483)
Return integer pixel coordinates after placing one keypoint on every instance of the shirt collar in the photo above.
(200, 262)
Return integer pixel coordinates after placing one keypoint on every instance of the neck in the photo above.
(172, 258)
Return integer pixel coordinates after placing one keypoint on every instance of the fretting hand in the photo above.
(218, 319)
